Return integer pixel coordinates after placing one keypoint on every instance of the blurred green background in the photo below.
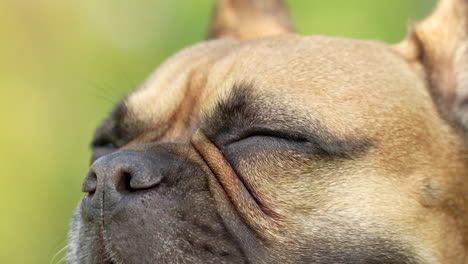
(63, 64)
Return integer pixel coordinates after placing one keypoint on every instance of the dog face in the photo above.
(263, 146)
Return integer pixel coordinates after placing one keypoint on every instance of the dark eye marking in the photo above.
(101, 142)
(102, 146)
(110, 135)
(116, 130)
(244, 114)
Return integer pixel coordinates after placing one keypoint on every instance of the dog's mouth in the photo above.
(104, 254)
(104, 258)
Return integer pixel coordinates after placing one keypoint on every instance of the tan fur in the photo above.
(244, 19)
(439, 44)
(413, 185)
(397, 112)
(236, 191)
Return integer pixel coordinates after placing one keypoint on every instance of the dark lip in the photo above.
(103, 255)
(105, 259)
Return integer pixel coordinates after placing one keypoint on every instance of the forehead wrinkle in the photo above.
(167, 86)
(244, 109)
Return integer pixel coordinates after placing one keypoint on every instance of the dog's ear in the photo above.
(440, 45)
(247, 19)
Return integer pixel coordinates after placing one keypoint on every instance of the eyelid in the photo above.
(287, 135)
(103, 142)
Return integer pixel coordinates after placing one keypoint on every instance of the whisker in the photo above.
(56, 255)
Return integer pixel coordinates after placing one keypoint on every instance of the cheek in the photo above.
(315, 194)
(286, 179)
(298, 185)
(387, 207)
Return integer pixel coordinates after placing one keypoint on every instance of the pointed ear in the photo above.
(440, 45)
(247, 19)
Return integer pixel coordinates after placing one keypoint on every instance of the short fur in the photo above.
(263, 146)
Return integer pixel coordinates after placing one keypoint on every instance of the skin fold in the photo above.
(259, 145)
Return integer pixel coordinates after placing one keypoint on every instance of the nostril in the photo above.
(123, 184)
(90, 183)
(133, 180)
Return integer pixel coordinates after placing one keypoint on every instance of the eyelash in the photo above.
(288, 139)
(103, 143)
(271, 133)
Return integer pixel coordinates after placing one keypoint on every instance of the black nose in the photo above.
(118, 174)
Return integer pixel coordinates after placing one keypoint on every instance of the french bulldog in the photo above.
(259, 145)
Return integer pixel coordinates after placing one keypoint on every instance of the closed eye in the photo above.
(102, 146)
(100, 142)
(266, 132)
(258, 139)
